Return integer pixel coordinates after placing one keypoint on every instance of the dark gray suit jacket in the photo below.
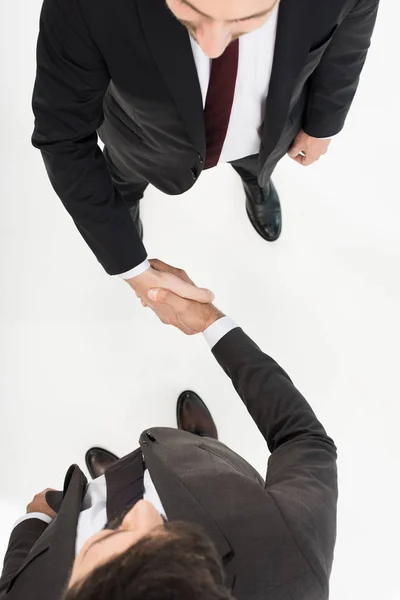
(275, 537)
(125, 68)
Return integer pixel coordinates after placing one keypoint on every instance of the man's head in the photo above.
(215, 24)
(138, 556)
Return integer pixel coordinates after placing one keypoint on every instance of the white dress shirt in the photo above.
(243, 138)
(93, 516)
(256, 55)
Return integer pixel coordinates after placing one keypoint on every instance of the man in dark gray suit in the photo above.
(184, 516)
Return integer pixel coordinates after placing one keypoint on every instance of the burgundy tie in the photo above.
(221, 91)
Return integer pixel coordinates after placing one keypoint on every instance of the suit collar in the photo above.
(55, 498)
(169, 44)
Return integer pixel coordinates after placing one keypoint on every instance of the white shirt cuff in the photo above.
(34, 515)
(327, 138)
(218, 330)
(144, 266)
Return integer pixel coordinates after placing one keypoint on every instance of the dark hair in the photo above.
(180, 563)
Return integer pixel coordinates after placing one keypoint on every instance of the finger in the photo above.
(177, 307)
(163, 296)
(184, 289)
(172, 319)
(144, 304)
(184, 327)
(176, 322)
(159, 265)
(308, 160)
(304, 160)
(295, 150)
(186, 330)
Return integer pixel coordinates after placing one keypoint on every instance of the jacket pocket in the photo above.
(239, 465)
(313, 59)
(120, 119)
(321, 47)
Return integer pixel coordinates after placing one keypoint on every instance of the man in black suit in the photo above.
(257, 539)
(173, 87)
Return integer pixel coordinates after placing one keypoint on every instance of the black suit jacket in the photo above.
(275, 537)
(126, 68)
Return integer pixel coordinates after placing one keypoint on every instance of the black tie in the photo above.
(219, 102)
(125, 483)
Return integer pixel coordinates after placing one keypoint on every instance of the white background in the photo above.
(81, 363)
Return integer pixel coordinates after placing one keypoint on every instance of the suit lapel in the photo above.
(291, 49)
(59, 538)
(169, 44)
(181, 505)
(62, 547)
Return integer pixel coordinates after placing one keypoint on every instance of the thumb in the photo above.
(184, 289)
(162, 296)
(295, 150)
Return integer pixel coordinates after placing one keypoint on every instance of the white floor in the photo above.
(82, 364)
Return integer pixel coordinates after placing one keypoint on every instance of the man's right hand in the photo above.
(174, 280)
(188, 316)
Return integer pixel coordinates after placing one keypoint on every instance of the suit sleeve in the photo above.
(22, 540)
(71, 82)
(302, 472)
(334, 83)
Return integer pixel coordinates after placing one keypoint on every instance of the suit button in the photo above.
(195, 173)
(151, 436)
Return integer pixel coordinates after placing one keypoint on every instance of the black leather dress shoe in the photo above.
(193, 416)
(264, 209)
(135, 214)
(98, 461)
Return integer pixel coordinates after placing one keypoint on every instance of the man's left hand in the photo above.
(306, 149)
(39, 504)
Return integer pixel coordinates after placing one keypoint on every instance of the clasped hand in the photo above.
(175, 299)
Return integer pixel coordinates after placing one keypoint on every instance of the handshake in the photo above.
(175, 299)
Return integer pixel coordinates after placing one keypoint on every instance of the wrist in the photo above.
(41, 510)
(144, 279)
(213, 316)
